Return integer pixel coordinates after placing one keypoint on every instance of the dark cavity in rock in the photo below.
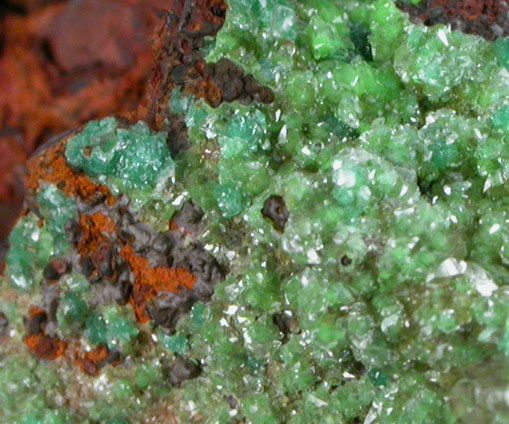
(275, 209)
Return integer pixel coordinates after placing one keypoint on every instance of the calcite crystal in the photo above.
(313, 228)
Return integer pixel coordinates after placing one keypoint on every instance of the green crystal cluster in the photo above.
(33, 246)
(134, 161)
(388, 142)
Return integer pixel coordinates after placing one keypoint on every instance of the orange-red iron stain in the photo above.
(89, 364)
(149, 281)
(35, 310)
(52, 167)
(472, 10)
(173, 225)
(94, 229)
(45, 347)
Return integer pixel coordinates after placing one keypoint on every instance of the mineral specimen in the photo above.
(62, 65)
(313, 228)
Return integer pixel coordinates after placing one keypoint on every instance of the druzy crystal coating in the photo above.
(134, 159)
(338, 255)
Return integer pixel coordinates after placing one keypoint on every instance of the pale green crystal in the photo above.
(32, 245)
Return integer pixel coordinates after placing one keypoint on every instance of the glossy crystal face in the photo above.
(329, 243)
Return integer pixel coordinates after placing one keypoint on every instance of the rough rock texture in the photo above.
(62, 65)
(487, 18)
(311, 227)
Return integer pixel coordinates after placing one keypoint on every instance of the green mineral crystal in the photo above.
(32, 245)
(133, 161)
(360, 223)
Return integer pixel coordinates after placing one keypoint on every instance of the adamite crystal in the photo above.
(338, 255)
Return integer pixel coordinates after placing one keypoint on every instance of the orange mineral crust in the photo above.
(94, 229)
(150, 281)
(50, 166)
(45, 347)
(92, 362)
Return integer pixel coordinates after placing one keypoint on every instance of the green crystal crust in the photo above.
(33, 246)
(135, 161)
(385, 297)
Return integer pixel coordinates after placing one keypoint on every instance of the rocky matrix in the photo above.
(312, 228)
(63, 63)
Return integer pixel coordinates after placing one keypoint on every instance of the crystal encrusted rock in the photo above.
(329, 245)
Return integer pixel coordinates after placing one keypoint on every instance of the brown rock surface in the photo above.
(61, 65)
(487, 18)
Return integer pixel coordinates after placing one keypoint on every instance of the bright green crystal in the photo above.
(384, 299)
